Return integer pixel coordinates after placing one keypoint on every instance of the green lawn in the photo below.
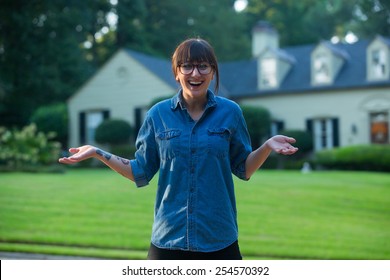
(282, 215)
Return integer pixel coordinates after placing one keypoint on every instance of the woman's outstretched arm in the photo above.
(116, 163)
(279, 143)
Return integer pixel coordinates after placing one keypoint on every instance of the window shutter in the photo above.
(82, 128)
(309, 125)
(106, 114)
(335, 127)
(138, 120)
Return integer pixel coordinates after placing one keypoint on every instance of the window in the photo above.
(378, 63)
(276, 127)
(325, 133)
(379, 128)
(88, 122)
(321, 68)
(268, 72)
(139, 116)
(92, 122)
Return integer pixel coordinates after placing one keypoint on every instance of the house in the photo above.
(339, 92)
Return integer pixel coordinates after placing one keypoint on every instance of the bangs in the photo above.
(196, 51)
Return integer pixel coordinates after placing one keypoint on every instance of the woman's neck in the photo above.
(195, 106)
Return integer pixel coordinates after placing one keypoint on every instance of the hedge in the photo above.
(360, 157)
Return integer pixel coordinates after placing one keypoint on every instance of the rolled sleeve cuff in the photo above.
(240, 172)
(140, 178)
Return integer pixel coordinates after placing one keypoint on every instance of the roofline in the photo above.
(305, 91)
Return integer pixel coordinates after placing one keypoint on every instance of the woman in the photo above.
(196, 140)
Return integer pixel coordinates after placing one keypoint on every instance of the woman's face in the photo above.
(196, 78)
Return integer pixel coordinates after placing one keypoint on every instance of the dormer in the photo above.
(378, 59)
(273, 65)
(326, 62)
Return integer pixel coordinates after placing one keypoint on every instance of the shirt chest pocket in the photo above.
(169, 141)
(219, 141)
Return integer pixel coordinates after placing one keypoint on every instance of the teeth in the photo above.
(195, 83)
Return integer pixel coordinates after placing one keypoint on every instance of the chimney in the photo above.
(263, 36)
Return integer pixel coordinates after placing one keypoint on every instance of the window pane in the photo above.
(380, 128)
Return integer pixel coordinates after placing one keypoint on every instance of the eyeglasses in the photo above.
(188, 68)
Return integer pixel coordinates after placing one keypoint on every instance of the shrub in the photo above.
(53, 118)
(304, 141)
(361, 157)
(27, 149)
(158, 99)
(113, 132)
(258, 120)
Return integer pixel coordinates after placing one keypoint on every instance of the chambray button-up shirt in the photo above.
(195, 206)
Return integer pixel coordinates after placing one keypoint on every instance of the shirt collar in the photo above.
(177, 100)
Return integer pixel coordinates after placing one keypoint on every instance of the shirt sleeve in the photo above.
(146, 162)
(240, 147)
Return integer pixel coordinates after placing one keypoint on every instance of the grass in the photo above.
(282, 215)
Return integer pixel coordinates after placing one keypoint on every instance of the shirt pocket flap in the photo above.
(169, 134)
(221, 132)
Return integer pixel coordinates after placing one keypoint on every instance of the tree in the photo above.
(169, 23)
(42, 61)
(302, 22)
(132, 18)
(371, 17)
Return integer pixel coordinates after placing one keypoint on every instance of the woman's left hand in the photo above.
(282, 144)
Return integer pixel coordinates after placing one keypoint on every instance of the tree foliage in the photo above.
(49, 48)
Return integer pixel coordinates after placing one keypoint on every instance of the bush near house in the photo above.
(360, 157)
(28, 150)
(116, 135)
(113, 132)
(258, 120)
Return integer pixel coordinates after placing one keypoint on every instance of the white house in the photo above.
(339, 92)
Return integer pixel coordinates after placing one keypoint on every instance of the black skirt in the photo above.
(231, 252)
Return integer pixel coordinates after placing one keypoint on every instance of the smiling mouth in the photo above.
(195, 84)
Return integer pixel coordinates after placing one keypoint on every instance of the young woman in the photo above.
(196, 140)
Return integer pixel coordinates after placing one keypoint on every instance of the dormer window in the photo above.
(326, 62)
(379, 63)
(273, 65)
(321, 68)
(268, 71)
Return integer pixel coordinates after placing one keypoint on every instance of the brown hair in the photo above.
(195, 50)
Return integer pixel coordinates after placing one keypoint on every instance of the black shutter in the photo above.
(82, 125)
(335, 127)
(280, 126)
(138, 120)
(106, 114)
(309, 125)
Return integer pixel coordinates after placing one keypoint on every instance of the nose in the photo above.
(195, 70)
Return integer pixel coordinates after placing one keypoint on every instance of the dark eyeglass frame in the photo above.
(201, 71)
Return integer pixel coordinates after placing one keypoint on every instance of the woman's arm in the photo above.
(116, 163)
(279, 143)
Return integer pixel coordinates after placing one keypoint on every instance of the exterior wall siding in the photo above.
(351, 107)
(121, 86)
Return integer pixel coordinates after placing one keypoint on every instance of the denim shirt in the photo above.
(195, 207)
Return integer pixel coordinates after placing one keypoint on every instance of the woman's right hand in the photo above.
(79, 154)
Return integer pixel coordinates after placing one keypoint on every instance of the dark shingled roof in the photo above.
(238, 79)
